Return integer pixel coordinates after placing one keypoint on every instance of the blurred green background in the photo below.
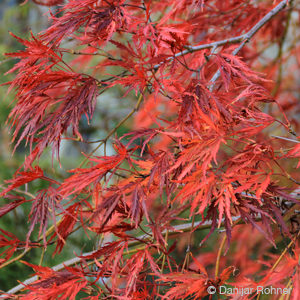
(21, 20)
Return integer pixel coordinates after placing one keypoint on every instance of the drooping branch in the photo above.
(199, 225)
(191, 49)
(244, 38)
(179, 159)
(247, 36)
(284, 138)
(75, 260)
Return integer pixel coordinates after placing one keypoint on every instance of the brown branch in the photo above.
(77, 52)
(247, 36)
(191, 49)
(244, 38)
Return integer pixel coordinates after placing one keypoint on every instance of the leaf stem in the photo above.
(75, 260)
(103, 141)
(280, 258)
(244, 38)
(14, 259)
(219, 256)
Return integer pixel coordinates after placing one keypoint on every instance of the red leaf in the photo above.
(22, 178)
(66, 226)
(10, 206)
(85, 177)
(45, 203)
(7, 239)
(64, 284)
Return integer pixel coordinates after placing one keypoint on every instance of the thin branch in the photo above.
(284, 138)
(77, 52)
(281, 257)
(134, 6)
(15, 258)
(19, 191)
(219, 256)
(103, 141)
(247, 36)
(200, 225)
(244, 38)
(189, 246)
(284, 252)
(191, 49)
(260, 24)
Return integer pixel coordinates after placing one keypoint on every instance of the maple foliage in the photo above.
(213, 144)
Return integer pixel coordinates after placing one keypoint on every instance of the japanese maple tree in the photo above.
(199, 189)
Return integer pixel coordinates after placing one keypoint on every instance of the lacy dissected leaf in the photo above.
(108, 249)
(64, 284)
(137, 204)
(65, 227)
(9, 240)
(197, 154)
(100, 20)
(48, 2)
(38, 56)
(49, 102)
(133, 268)
(43, 207)
(109, 205)
(11, 205)
(295, 152)
(232, 67)
(247, 193)
(126, 201)
(199, 103)
(93, 175)
(22, 178)
(189, 284)
(193, 284)
(159, 174)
